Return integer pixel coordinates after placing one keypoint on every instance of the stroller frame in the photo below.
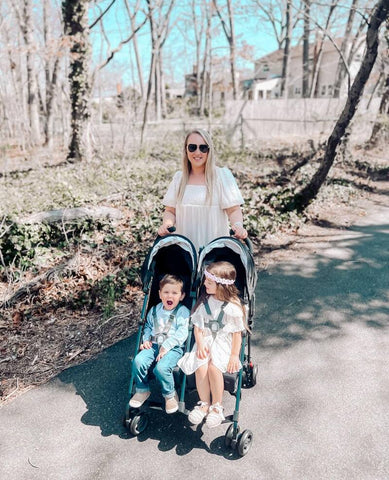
(247, 375)
(136, 420)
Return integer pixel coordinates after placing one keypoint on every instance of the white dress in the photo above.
(197, 220)
(220, 345)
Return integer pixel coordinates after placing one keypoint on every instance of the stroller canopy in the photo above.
(174, 254)
(234, 251)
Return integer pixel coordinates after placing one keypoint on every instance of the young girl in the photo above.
(202, 199)
(218, 318)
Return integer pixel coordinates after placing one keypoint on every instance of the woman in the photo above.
(202, 200)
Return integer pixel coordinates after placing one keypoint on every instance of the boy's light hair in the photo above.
(171, 279)
(210, 166)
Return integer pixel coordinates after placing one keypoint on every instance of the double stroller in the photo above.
(176, 255)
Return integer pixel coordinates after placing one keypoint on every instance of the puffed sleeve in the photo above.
(233, 318)
(170, 198)
(230, 195)
(198, 317)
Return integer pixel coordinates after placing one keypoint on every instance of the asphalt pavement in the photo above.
(320, 409)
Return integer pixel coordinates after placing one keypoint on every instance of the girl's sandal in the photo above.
(215, 416)
(197, 415)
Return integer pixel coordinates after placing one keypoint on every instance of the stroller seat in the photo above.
(176, 255)
(230, 380)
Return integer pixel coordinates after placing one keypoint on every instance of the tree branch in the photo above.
(101, 15)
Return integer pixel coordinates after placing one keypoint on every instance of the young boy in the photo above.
(165, 332)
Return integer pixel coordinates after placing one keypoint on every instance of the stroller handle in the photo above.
(247, 241)
(170, 230)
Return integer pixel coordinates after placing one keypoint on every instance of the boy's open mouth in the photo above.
(170, 303)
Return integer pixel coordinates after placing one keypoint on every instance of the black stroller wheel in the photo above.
(229, 436)
(249, 378)
(244, 442)
(254, 375)
(138, 424)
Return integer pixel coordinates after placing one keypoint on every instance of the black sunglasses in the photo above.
(192, 147)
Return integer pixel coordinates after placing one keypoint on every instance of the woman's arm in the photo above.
(235, 217)
(168, 220)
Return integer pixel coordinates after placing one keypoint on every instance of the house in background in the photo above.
(219, 78)
(266, 82)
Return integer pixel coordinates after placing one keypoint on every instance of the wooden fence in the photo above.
(252, 121)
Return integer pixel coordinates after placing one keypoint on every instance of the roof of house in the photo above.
(297, 50)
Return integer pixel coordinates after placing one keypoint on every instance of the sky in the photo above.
(179, 52)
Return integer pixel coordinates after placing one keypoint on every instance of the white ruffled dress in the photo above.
(198, 220)
(219, 346)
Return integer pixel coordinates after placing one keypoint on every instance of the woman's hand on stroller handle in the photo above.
(164, 230)
(246, 240)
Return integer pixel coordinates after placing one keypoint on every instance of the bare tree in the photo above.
(159, 18)
(229, 31)
(135, 29)
(75, 17)
(286, 55)
(282, 20)
(15, 117)
(319, 49)
(206, 60)
(380, 132)
(306, 35)
(26, 25)
(341, 70)
(377, 17)
(51, 67)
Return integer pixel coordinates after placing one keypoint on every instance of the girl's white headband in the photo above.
(223, 281)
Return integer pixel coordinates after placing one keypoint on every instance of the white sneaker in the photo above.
(139, 399)
(197, 415)
(171, 404)
(215, 416)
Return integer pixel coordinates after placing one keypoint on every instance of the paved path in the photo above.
(319, 412)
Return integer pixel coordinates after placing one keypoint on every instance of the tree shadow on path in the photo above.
(346, 280)
(103, 385)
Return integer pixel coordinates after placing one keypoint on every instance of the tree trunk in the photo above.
(136, 49)
(75, 16)
(158, 89)
(232, 49)
(319, 52)
(380, 132)
(229, 32)
(148, 97)
(341, 70)
(206, 57)
(51, 78)
(286, 55)
(303, 199)
(32, 85)
(307, 13)
(159, 29)
(163, 92)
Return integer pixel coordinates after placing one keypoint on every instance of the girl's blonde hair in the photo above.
(225, 293)
(210, 166)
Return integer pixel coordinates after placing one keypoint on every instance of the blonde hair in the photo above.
(171, 280)
(210, 166)
(225, 293)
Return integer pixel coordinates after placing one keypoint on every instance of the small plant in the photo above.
(19, 243)
(107, 291)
